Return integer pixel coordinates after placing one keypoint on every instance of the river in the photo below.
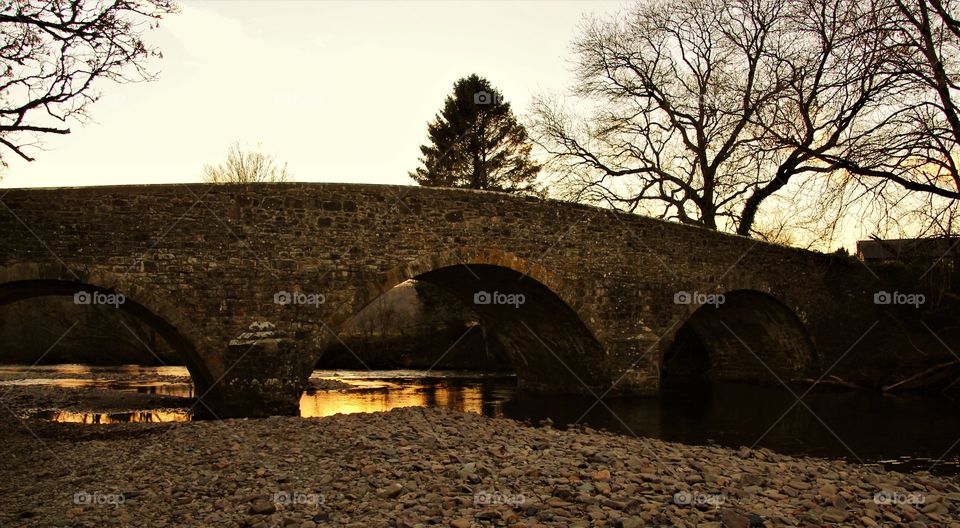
(907, 432)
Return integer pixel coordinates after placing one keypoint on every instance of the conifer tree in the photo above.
(477, 143)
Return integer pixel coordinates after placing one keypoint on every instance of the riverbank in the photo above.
(417, 466)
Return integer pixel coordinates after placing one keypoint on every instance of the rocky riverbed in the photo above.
(419, 467)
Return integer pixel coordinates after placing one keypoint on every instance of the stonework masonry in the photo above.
(604, 294)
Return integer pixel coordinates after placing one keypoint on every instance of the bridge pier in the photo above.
(264, 376)
(634, 366)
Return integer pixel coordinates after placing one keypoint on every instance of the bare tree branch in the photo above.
(52, 52)
(250, 166)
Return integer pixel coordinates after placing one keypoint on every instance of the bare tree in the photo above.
(251, 166)
(676, 87)
(54, 51)
(911, 139)
(902, 159)
(832, 63)
(705, 109)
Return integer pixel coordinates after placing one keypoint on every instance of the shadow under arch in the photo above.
(528, 310)
(18, 290)
(468, 258)
(750, 337)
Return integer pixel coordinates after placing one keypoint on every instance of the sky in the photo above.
(341, 91)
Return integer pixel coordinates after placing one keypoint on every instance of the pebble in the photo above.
(414, 467)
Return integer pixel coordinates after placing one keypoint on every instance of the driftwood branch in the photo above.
(926, 378)
(832, 381)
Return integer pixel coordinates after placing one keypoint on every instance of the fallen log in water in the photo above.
(941, 374)
(832, 381)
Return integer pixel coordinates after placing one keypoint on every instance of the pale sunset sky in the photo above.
(342, 91)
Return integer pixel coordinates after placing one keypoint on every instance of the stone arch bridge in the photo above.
(583, 299)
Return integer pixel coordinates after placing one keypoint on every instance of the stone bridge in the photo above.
(583, 299)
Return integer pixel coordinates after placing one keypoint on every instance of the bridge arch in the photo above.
(466, 257)
(549, 342)
(21, 282)
(750, 336)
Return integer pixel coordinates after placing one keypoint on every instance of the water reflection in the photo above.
(180, 390)
(46, 371)
(477, 393)
(905, 432)
(165, 381)
(97, 418)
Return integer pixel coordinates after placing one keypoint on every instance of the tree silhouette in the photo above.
(52, 54)
(709, 112)
(251, 166)
(477, 143)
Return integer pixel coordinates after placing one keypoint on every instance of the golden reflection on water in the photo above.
(367, 396)
(88, 370)
(95, 418)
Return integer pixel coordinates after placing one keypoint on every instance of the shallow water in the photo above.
(902, 432)
(97, 418)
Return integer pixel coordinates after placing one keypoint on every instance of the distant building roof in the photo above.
(907, 248)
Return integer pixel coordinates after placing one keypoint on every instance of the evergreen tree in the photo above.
(477, 143)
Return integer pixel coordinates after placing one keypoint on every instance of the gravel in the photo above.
(431, 467)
